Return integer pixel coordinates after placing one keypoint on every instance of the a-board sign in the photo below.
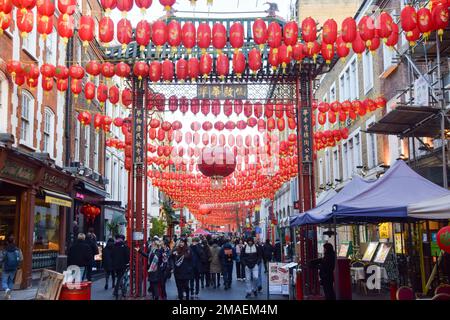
(49, 286)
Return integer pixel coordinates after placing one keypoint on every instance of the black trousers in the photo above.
(163, 291)
(240, 270)
(154, 288)
(119, 276)
(110, 273)
(328, 290)
(215, 279)
(182, 288)
(89, 272)
(205, 279)
(195, 280)
(227, 274)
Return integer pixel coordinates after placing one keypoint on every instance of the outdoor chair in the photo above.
(361, 283)
(441, 297)
(442, 288)
(405, 293)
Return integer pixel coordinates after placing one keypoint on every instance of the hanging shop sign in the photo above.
(222, 91)
(58, 201)
(139, 136)
(18, 172)
(53, 181)
(306, 141)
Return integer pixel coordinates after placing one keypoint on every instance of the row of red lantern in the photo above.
(342, 110)
(99, 121)
(270, 124)
(124, 6)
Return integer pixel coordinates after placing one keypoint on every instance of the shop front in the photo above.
(34, 199)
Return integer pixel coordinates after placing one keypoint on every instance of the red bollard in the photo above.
(393, 290)
(299, 285)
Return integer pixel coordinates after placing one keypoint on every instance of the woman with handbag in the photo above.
(183, 269)
(154, 267)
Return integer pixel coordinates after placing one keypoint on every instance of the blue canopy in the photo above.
(389, 196)
(323, 212)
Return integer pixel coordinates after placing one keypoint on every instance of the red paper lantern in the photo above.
(193, 68)
(122, 69)
(238, 63)
(366, 29)
(167, 4)
(329, 33)
(298, 52)
(219, 126)
(443, 239)
(205, 65)
(84, 117)
(309, 30)
(385, 28)
(76, 72)
(174, 34)
(408, 18)
(143, 34)
(76, 88)
(358, 45)
(127, 97)
(48, 70)
(98, 121)
(313, 49)
(107, 70)
(440, 18)
(274, 58)
(6, 6)
(215, 107)
(66, 27)
(124, 6)
(124, 32)
(203, 36)
(227, 108)
(167, 70)
(342, 48)
(222, 65)
(230, 125)
(259, 30)
(89, 91)
(274, 34)
(248, 109)
(238, 107)
(413, 36)
(380, 102)
(290, 34)
(86, 30)
(281, 124)
(47, 84)
(114, 95)
(102, 94)
(195, 106)
(205, 107)
(188, 36)
(393, 38)
(254, 60)
(159, 34)
(374, 44)
(44, 25)
(349, 30)
(24, 21)
(181, 69)
(155, 71)
(237, 36)
(61, 84)
(219, 37)
(106, 30)
(207, 126)
(184, 105)
(108, 5)
(327, 52)
(285, 55)
(93, 68)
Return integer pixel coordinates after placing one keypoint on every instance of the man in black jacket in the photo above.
(198, 258)
(268, 254)
(80, 254)
(91, 240)
(120, 260)
(251, 256)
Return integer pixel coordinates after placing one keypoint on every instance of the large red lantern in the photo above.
(205, 65)
(274, 58)
(374, 44)
(205, 107)
(84, 117)
(222, 66)
(113, 95)
(254, 60)
(309, 30)
(188, 36)
(48, 70)
(124, 6)
(425, 21)
(259, 29)
(89, 91)
(358, 45)
(393, 38)
(93, 68)
(167, 70)
(285, 56)
(366, 29)
(313, 49)
(124, 32)
(443, 239)
(108, 5)
(193, 68)
(143, 34)
(44, 25)
(61, 85)
(102, 94)
(238, 63)
(327, 52)
(24, 21)
(215, 107)
(155, 71)
(86, 30)
(159, 34)
(182, 69)
(341, 48)
(195, 106)
(76, 72)
(6, 7)
(329, 33)
(219, 37)
(298, 52)
(66, 27)
(106, 30)
(237, 36)
(349, 30)
(5, 21)
(76, 88)
(107, 70)
(122, 70)
(238, 107)
(167, 4)
(385, 27)
(140, 69)
(290, 34)
(217, 163)
(203, 36)
(274, 35)
(127, 98)
(174, 34)
(408, 18)
(440, 18)
(413, 36)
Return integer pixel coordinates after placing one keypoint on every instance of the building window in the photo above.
(49, 130)
(320, 171)
(372, 159)
(345, 160)
(354, 88)
(328, 166)
(368, 71)
(107, 174)
(26, 129)
(357, 150)
(348, 81)
(4, 94)
(87, 142)
(77, 140)
(333, 93)
(96, 150)
(336, 164)
(116, 184)
(51, 47)
(351, 158)
(388, 56)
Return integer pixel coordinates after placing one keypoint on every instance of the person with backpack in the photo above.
(107, 263)
(251, 256)
(11, 258)
(198, 258)
(227, 256)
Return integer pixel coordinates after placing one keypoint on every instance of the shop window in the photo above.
(7, 218)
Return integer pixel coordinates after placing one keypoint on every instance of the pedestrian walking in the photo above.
(277, 251)
(107, 263)
(120, 260)
(80, 254)
(91, 240)
(198, 258)
(11, 257)
(267, 254)
(215, 265)
(182, 259)
(227, 256)
(240, 268)
(260, 249)
(205, 277)
(166, 267)
(251, 256)
(326, 270)
(155, 275)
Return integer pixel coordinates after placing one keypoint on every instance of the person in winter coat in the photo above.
(215, 266)
(155, 275)
(205, 277)
(120, 261)
(198, 258)
(11, 257)
(326, 270)
(267, 254)
(240, 268)
(91, 240)
(166, 267)
(260, 248)
(107, 262)
(80, 254)
(183, 270)
(277, 251)
(251, 257)
(227, 256)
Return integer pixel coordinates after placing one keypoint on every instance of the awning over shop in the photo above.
(323, 212)
(57, 198)
(95, 189)
(119, 218)
(325, 196)
(389, 196)
(437, 208)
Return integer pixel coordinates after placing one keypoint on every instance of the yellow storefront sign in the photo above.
(59, 202)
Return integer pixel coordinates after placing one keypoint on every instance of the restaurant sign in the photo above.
(52, 181)
(17, 171)
(222, 91)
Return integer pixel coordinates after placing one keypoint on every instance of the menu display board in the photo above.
(278, 279)
(370, 251)
(382, 253)
(343, 250)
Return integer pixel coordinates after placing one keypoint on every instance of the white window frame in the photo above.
(321, 172)
(87, 147)
(27, 119)
(96, 151)
(4, 95)
(51, 48)
(348, 81)
(108, 173)
(49, 131)
(335, 161)
(372, 149)
(333, 94)
(345, 165)
(328, 166)
(77, 139)
(368, 71)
